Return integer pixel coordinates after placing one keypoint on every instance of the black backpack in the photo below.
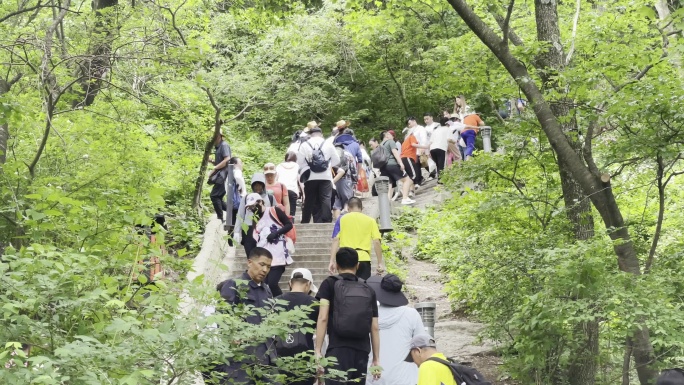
(318, 163)
(464, 375)
(352, 308)
(293, 343)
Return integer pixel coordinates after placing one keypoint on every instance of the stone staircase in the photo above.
(312, 250)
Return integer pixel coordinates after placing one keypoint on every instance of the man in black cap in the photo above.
(398, 324)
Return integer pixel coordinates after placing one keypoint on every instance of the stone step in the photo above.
(323, 255)
(299, 252)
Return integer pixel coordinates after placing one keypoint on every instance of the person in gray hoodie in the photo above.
(399, 323)
(245, 237)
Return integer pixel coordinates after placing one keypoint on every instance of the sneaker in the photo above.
(396, 196)
(407, 201)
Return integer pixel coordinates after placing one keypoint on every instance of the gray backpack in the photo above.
(379, 157)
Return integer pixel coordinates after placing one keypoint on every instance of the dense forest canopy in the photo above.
(570, 253)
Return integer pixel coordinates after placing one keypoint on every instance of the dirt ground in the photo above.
(456, 335)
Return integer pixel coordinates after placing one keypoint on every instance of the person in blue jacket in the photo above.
(346, 138)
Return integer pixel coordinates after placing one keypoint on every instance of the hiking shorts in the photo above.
(393, 172)
(345, 191)
(412, 168)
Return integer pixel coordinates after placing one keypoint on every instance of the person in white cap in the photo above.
(301, 289)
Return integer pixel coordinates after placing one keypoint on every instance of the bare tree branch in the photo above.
(49, 83)
(506, 24)
(574, 32)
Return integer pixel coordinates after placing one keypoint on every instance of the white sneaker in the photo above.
(407, 201)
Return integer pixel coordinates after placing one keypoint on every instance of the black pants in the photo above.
(364, 271)
(439, 156)
(419, 171)
(317, 203)
(248, 241)
(217, 194)
(293, 201)
(349, 358)
(272, 279)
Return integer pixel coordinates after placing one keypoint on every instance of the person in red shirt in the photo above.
(472, 124)
(409, 159)
(279, 190)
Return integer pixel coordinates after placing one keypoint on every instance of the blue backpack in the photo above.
(236, 197)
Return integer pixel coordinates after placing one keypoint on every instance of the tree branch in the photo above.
(574, 32)
(49, 83)
(513, 37)
(15, 79)
(648, 67)
(506, 24)
(660, 171)
(587, 151)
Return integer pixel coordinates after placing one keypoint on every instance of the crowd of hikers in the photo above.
(361, 316)
(358, 311)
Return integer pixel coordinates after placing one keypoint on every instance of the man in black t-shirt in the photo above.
(351, 353)
(301, 288)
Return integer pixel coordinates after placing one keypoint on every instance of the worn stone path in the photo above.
(456, 336)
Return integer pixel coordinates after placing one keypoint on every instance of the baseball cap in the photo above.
(391, 132)
(269, 168)
(315, 129)
(420, 341)
(306, 274)
(252, 199)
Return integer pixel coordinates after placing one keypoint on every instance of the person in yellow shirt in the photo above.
(358, 231)
(430, 372)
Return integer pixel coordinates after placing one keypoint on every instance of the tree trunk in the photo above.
(583, 363)
(199, 182)
(586, 175)
(95, 68)
(5, 86)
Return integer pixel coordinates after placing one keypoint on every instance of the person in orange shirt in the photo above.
(472, 124)
(409, 159)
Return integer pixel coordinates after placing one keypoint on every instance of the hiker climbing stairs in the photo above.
(312, 250)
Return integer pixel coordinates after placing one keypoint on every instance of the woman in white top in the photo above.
(288, 174)
(439, 144)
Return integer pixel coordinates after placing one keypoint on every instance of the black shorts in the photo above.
(364, 271)
(411, 167)
(393, 172)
